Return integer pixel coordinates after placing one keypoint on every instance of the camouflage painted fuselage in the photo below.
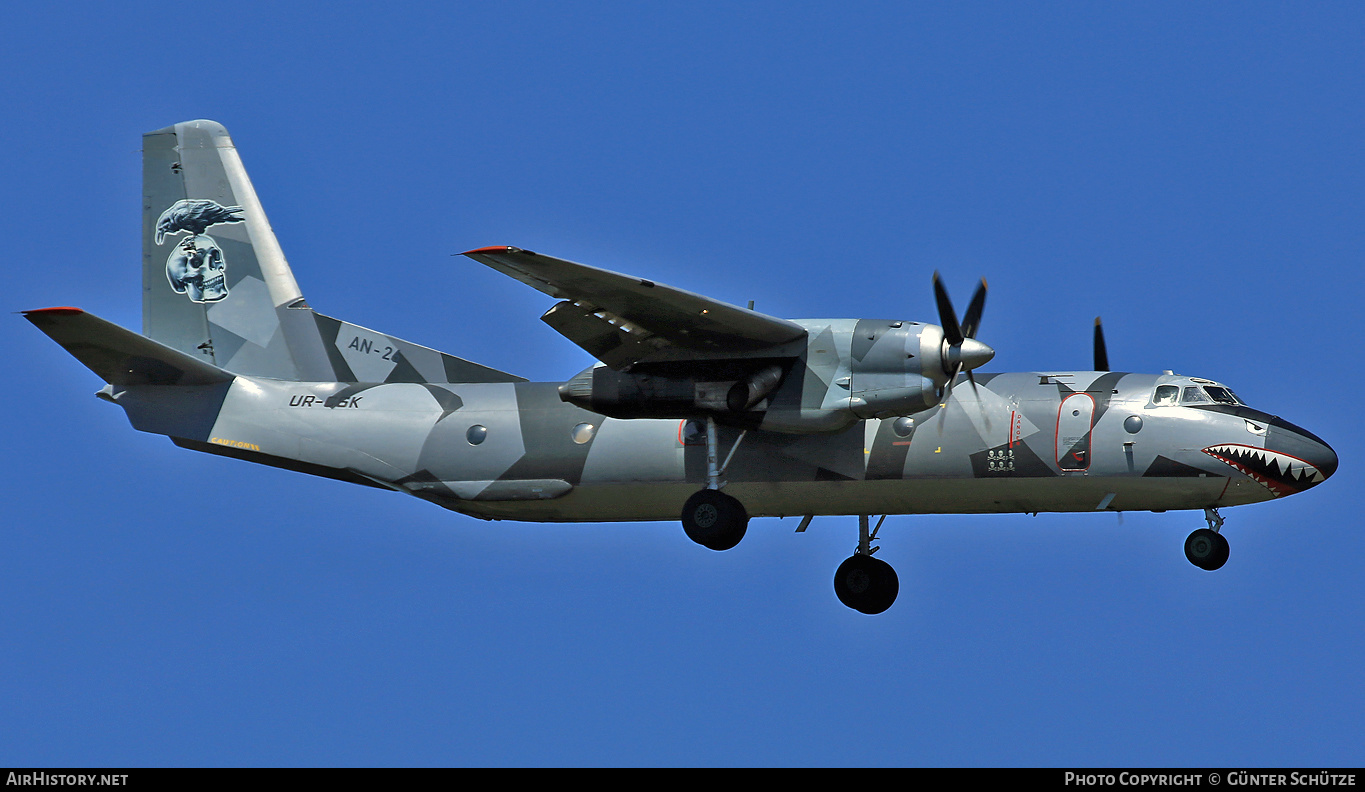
(1022, 442)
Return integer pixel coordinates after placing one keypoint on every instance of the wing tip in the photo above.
(494, 249)
(62, 310)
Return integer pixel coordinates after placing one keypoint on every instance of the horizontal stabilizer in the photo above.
(120, 356)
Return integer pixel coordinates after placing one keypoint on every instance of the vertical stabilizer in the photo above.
(216, 285)
(215, 282)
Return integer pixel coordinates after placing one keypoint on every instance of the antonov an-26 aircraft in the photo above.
(697, 408)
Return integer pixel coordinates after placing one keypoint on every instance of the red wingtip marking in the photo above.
(59, 311)
(490, 250)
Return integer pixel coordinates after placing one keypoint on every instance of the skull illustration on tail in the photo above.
(196, 267)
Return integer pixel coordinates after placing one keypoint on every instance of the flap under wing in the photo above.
(621, 319)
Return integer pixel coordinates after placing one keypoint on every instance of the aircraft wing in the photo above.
(621, 319)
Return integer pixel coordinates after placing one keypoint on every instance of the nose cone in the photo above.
(974, 353)
(1292, 460)
(1289, 440)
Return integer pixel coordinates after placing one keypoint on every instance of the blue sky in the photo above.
(1191, 172)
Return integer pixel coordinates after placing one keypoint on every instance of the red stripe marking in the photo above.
(490, 250)
(59, 311)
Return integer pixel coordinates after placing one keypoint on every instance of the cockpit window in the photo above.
(1194, 395)
(1220, 395)
(1166, 396)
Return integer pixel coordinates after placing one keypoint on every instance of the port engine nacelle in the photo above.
(849, 370)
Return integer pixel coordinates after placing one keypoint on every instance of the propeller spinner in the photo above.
(961, 351)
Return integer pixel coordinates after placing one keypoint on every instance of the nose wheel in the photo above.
(863, 583)
(1206, 548)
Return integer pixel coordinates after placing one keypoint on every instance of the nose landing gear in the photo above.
(863, 583)
(1206, 548)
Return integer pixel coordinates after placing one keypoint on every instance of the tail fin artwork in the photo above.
(216, 285)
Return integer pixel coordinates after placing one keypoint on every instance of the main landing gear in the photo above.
(1206, 548)
(710, 517)
(718, 521)
(863, 583)
(715, 520)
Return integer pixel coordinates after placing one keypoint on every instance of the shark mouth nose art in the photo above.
(1280, 473)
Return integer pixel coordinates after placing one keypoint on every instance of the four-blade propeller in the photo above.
(961, 351)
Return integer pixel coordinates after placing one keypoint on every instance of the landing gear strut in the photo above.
(863, 583)
(1206, 548)
(711, 518)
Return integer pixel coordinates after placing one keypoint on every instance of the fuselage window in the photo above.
(1166, 396)
(582, 433)
(1220, 395)
(1194, 395)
